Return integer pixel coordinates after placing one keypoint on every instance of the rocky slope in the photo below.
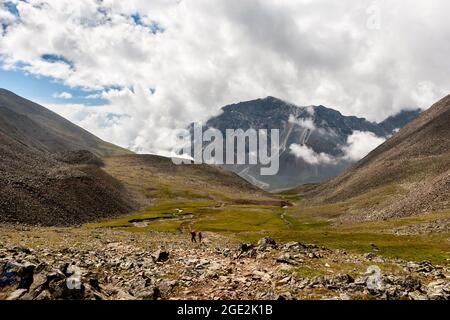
(323, 130)
(39, 189)
(109, 264)
(43, 188)
(416, 162)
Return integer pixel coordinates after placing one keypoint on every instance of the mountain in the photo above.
(38, 189)
(154, 179)
(44, 130)
(410, 171)
(51, 173)
(398, 121)
(320, 132)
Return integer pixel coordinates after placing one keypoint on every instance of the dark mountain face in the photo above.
(322, 132)
(44, 130)
(399, 120)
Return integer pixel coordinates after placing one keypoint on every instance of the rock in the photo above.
(424, 267)
(245, 247)
(339, 282)
(312, 255)
(22, 272)
(16, 294)
(410, 284)
(266, 243)
(259, 275)
(149, 294)
(44, 295)
(215, 270)
(202, 264)
(287, 258)
(370, 256)
(19, 249)
(161, 256)
(344, 296)
(438, 290)
(166, 286)
(122, 295)
(246, 250)
(293, 246)
(417, 295)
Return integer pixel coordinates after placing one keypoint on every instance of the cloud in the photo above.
(360, 144)
(306, 123)
(62, 95)
(158, 62)
(309, 156)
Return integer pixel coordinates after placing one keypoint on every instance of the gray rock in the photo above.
(439, 290)
(16, 294)
(161, 256)
(266, 243)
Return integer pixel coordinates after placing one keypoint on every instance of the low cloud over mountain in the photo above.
(156, 71)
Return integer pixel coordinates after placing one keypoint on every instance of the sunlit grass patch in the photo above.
(235, 219)
(163, 210)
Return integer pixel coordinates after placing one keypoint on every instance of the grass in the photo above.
(220, 209)
(357, 204)
(251, 222)
(161, 211)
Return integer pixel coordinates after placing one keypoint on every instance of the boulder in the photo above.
(161, 256)
(439, 290)
(266, 243)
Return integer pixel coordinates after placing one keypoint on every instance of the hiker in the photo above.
(200, 237)
(193, 236)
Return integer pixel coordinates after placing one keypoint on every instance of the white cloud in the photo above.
(62, 95)
(309, 156)
(213, 53)
(360, 144)
(306, 123)
(6, 17)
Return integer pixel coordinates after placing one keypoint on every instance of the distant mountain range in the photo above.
(319, 132)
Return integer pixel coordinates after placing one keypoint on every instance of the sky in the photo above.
(136, 72)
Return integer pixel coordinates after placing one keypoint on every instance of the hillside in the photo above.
(153, 178)
(414, 164)
(44, 130)
(37, 189)
(51, 173)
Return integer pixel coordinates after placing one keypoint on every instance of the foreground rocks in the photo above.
(86, 264)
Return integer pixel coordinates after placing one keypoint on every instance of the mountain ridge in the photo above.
(24, 120)
(330, 131)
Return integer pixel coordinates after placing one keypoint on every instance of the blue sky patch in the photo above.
(42, 89)
(154, 27)
(3, 28)
(12, 8)
(52, 58)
